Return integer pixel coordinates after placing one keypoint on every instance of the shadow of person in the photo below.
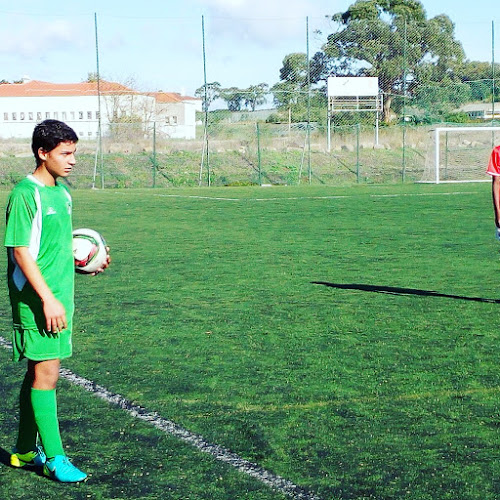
(5, 459)
(4, 456)
(392, 290)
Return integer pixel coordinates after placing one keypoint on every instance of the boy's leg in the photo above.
(43, 399)
(26, 438)
(26, 451)
(44, 403)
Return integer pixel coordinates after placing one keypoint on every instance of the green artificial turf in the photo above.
(343, 338)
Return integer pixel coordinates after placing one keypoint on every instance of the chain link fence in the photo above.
(284, 133)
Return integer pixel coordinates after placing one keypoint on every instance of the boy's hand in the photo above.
(55, 315)
(105, 265)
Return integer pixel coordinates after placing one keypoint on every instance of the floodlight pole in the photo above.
(308, 105)
(206, 151)
(492, 71)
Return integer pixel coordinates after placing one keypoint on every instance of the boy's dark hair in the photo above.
(49, 134)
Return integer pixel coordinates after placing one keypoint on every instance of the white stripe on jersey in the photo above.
(18, 276)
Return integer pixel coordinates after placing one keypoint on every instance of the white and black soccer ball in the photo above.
(89, 250)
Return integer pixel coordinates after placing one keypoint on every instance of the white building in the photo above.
(481, 110)
(23, 105)
(175, 115)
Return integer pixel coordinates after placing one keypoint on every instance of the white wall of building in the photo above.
(177, 120)
(19, 115)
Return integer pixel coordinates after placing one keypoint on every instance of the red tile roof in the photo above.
(36, 88)
(171, 97)
(166, 96)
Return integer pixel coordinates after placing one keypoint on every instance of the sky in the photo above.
(158, 44)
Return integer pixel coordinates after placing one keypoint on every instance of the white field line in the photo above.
(168, 427)
(295, 198)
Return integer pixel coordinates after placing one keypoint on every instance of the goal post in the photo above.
(460, 154)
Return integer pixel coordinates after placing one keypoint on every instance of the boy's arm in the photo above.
(495, 193)
(55, 314)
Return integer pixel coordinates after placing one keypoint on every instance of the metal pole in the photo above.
(492, 71)
(358, 128)
(207, 152)
(154, 153)
(436, 155)
(258, 153)
(446, 151)
(328, 131)
(403, 166)
(308, 105)
(98, 156)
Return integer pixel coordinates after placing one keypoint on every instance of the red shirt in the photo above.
(494, 163)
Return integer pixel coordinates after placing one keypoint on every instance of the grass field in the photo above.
(346, 339)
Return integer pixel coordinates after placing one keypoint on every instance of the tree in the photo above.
(255, 95)
(479, 76)
(294, 69)
(92, 77)
(300, 86)
(293, 81)
(443, 98)
(208, 95)
(393, 40)
(234, 98)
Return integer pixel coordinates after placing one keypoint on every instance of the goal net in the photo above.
(460, 154)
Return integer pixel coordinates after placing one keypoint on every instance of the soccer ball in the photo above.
(89, 250)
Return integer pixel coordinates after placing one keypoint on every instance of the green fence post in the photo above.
(358, 173)
(258, 153)
(154, 154)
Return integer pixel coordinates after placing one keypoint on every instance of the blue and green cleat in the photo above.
(33, 458)
(62, 470)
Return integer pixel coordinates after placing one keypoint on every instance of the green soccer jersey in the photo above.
(39, 217)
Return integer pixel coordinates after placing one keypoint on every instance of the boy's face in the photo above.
(60, 161)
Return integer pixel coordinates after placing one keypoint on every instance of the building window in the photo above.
(22, 115)
(89, 115)
(80, 115)
(89, 134)
(14, 116)
(56, 115)
(174, 120)
(64, 115)
(6, 116)
(72, 115)
(97, 115)
(38, 116)
(47, 115)
(30, 116)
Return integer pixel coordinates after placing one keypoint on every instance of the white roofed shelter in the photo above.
(354, 94)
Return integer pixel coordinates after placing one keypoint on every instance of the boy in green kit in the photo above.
(41, 271)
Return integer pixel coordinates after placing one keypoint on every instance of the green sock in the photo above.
(26, 437)
(45, 411)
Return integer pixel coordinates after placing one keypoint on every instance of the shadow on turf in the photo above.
(4, 457)
(391, 290)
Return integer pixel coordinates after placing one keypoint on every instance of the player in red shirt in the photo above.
(494, 171)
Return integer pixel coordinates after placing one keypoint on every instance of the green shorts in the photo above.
(40, 346)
